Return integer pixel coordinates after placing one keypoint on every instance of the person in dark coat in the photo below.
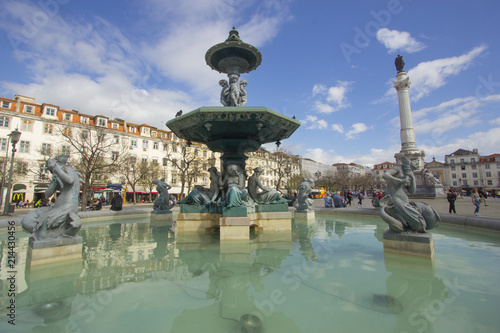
(116, 202)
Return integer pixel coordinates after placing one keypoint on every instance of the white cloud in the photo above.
(314, 122)
(453, 115)
(87, 63)
(356, 129)
(495, 121)
(395, 40)
(428, 76)
(333, 98)
(338, 128)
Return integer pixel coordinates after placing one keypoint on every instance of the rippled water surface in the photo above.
(327, 275)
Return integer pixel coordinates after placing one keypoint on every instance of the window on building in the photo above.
(65, 150)
(165, 160)
(3, 144)
(133, 158)
(488, 174)
(155, 145)
(464, 175)
(27, 125)
(464, 182)
(144, 159)
(85, 135)
(24, 147)
(116, 139)
(67, 116)
(115, 126)
(474, 175)
(452, 161)
(4, 121)
(114, 155)
(133, 143)
(472, 160)
(474, 167)
(486, 166)
(102, 122)
(476, 183)
(155, 160)
(205, 153)
(165, 146)
(145, 144)
(50, 111)
(462, 160)
(452, 168)
(21, 168)
(46, 149)
(455, 183)
(5, 105)
(67, 132)
(29, 109)
(490, 182)
(48, 128)
(454, 175)
(84, 120)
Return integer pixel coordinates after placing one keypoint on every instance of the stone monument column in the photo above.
(427, 185)
(408, 146)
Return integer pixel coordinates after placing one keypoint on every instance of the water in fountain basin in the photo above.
(328, 275)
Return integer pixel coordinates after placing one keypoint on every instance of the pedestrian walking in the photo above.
(360, 198)
(482, 195)
(476, 200)
(451, 195)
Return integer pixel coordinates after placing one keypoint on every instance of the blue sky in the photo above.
(329, 63)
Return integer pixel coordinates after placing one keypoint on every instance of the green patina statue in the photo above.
(60, 220)
(397, 210)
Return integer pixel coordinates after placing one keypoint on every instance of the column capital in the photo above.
(404, 83)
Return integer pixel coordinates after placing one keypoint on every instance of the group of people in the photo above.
(339, 199)
(478, 196)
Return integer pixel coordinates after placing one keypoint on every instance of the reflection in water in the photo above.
(413, 283)
(325, 274)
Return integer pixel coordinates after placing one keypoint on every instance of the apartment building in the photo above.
(43, 127)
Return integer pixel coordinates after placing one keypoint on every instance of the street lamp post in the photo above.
(15, 135)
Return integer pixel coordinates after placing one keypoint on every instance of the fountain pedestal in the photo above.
(50, 251)
(161, 219)
(409, 243)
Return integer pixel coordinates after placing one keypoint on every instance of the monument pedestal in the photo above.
(41, 252)
(409, 243)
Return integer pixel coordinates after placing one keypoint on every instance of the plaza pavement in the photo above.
(463, 206)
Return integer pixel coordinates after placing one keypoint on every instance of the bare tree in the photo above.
(152, 171)
(284, 167)
(134, 172)
(94, 151)
(185, 163)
